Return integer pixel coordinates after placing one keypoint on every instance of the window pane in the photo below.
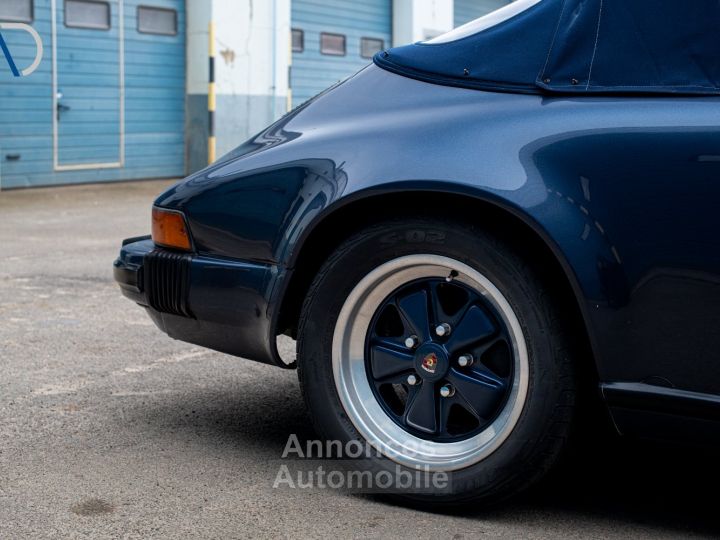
(152, 20)
(16, 10)
(370, 46)
(298, 40)
(86, 14)
(332, 44)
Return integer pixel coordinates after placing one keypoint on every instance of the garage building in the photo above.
(121, 91)
(106, 102)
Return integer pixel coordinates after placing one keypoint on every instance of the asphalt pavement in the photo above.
(110, 429)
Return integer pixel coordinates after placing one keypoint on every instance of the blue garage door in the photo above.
(467, 10)
(333, 39)
(106, 103)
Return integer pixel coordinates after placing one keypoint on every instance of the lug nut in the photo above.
(443, 329)
(411, 342)
(412, 380)
(465, 360)
(447, 391)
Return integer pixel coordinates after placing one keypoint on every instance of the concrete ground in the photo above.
(108, 428)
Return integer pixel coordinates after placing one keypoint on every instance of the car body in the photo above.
(616, 193)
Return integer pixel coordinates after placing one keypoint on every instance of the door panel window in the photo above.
(16, 10)
(332, 44)
(152, 20)
(370, 46)
(87, 14)
(298, 40)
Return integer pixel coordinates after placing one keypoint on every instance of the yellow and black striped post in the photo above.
(288, 99)
(211, 94)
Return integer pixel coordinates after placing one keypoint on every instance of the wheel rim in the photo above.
(453, 415)
(438, 359)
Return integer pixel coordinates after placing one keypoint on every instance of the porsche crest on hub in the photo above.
(429, 362)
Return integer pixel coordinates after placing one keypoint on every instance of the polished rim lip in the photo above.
(357, 397)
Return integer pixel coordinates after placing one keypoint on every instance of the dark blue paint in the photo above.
(624, 191)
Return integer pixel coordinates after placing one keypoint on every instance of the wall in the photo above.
(199, 14)
(252, 40)
(418, 20)
(89, 78)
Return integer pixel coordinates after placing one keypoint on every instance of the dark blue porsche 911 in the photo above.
(472, 236)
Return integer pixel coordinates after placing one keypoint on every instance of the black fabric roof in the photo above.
(576, 46)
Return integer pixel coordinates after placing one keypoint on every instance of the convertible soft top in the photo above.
(575, 47)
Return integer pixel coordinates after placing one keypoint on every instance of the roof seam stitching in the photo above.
(541, 75)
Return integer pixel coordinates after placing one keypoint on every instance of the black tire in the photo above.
(541, 432)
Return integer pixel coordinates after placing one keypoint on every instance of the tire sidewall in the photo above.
(523, 454)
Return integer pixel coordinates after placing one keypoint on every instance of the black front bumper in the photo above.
(217, 303)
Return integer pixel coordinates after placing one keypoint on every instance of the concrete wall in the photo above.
(199, 15)
(252, 40)
(418, 20)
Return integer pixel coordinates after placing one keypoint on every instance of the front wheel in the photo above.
(437, 345)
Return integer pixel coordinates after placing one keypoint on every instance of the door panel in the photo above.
(312, 71)
(88, 107)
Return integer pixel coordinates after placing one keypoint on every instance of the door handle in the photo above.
(61, 108)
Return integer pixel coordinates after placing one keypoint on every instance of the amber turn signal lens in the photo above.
(169, 230)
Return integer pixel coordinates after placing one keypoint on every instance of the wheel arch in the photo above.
(355, 212)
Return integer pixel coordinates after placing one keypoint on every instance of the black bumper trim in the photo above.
(661, 399)
(167, 282)
(130, 279)
(218, 303)
(135, 239)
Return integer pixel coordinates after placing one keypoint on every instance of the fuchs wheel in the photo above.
(436, 344)
(427, 351)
